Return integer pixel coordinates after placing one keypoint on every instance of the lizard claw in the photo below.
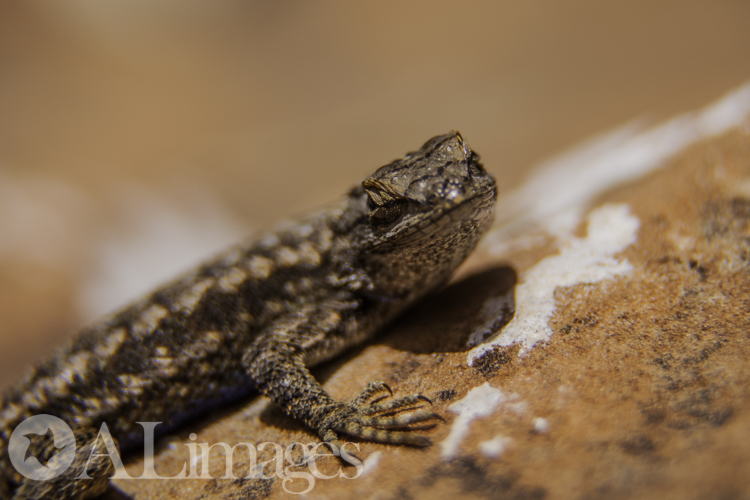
(378, 421)
(425, 398)
(370, 390)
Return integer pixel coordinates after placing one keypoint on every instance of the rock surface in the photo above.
(137, 138)
(640, 391)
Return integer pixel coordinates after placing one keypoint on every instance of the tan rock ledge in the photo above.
(623, 374)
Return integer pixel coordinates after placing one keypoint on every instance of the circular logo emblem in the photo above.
(47, 433)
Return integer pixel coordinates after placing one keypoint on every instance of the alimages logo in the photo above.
(46, 438)
(49, 430)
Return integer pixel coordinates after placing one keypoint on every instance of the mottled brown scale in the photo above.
(256, 317)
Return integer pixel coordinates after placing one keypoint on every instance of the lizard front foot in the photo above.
(373, 419)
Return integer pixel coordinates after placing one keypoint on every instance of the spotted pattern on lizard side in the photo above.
(259, 315)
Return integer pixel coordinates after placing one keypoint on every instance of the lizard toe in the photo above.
(405, 403)
(387, 436)
(404, 420)
(375, 387)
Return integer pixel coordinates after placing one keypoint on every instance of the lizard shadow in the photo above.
(482, 302)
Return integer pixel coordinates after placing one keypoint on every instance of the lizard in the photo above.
(258, 316)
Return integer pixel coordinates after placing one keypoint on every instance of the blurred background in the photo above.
(138, 136)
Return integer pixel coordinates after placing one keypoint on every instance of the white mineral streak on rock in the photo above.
(552, 201)
(541, 425)
(479, 402)
(495, 447)
(611, 228)
(371, 463)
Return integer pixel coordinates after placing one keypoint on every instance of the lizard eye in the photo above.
(387, 212)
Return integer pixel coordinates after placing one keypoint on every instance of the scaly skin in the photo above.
(258, 316)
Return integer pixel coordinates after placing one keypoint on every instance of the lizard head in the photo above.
(427, 210)
(428, 192)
